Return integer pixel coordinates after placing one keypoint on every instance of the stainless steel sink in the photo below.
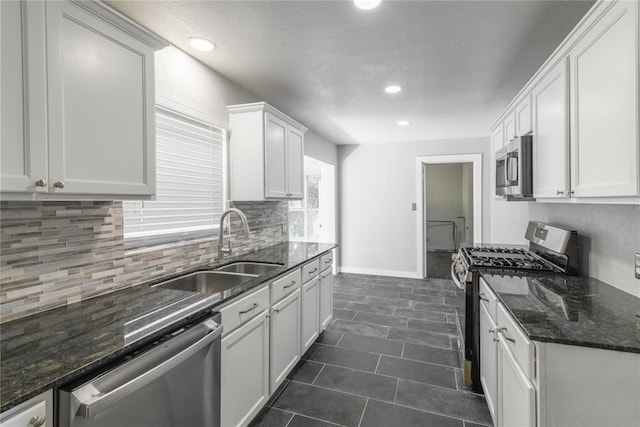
(209, 282)
(256, 268)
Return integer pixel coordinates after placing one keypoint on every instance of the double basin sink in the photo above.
(220, 279)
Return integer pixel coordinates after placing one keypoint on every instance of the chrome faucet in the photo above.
(245, 225)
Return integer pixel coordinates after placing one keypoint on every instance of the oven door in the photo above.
(502, 186)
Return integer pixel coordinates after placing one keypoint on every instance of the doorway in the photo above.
(450, 209)
(313, 218)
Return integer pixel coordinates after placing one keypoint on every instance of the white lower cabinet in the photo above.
(326, 298)
(310, 313)
(489, 361)
(517, 395)
(35, 412)
(244, 382)
(285, 338)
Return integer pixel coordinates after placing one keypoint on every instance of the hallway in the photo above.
(389, 358)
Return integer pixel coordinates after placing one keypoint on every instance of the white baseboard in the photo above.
(375, 272)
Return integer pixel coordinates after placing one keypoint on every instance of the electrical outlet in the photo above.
(638, 266)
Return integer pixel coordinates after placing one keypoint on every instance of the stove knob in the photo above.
(455, 257)
(460, 269)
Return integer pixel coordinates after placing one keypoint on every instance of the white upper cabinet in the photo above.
(267, 149)
(550, 135)
(82, 77)
(604, 106)
(524, 124)
(509, 127)
(583, 109)
(23, 109)
(497, 137)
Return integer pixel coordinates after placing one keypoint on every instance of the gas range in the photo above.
(506, 260)
(552, 251)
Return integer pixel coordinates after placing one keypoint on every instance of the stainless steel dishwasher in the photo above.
(174, 381)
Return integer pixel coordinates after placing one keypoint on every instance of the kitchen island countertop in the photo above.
(51, 348)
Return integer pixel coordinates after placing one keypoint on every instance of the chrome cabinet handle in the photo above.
(276, 310)
(509, 339)
(58, 184)
(293, 282)
(313, 271)
(572, 192)
(491, 331)
(289, 194)
(41, 183)
(559, 192)
(482, 298)
(328, 261)
(253, 307)
(37, 421)
(496, 340)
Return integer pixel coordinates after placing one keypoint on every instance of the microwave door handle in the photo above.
(512, 168)
(91, 401)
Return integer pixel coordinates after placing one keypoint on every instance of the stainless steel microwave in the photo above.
(514, 168)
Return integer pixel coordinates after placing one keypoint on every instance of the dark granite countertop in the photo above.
(571, 310)
(54, 347)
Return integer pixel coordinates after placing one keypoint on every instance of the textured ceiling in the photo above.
(326, 63)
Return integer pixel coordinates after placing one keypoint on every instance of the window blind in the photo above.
(190, 170)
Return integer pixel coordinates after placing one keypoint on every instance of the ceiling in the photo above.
(326, 63)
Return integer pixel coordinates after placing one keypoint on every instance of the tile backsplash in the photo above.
(56, 253)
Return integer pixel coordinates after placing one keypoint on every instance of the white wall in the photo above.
(609, 236)
(320, 148)
(377, 188)
(183, 79)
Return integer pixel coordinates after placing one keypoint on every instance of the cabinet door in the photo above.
(510, 127)
(295, 163)
(244, 387)
(550, 135)
(275, 151)
(604, 106)
(517, 405)
(326, 298)
(100, 104)
(23, 142)
(497, 137)
(34, 411)
(310, 314)
(285, 338)
(523, 117)
(489, 361)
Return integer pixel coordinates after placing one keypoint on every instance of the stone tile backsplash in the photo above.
(56, 253)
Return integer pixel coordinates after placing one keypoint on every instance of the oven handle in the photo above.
(91, 400)
(455, 277)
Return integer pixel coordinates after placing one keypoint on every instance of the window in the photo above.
(190, 183)
(313, 218)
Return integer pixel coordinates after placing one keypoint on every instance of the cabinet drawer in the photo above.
(244, 309)
(326, 261)
(310, 270)
(515, 340)
(285, 285)
(488, 299)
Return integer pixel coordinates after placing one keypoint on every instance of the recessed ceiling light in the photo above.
(404, 123)
(201, 44)
(366, 4)
(393, 89)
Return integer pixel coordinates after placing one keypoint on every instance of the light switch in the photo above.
(413, 206)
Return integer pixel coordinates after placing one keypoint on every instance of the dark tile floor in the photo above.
(389, 358)
(439, 264)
